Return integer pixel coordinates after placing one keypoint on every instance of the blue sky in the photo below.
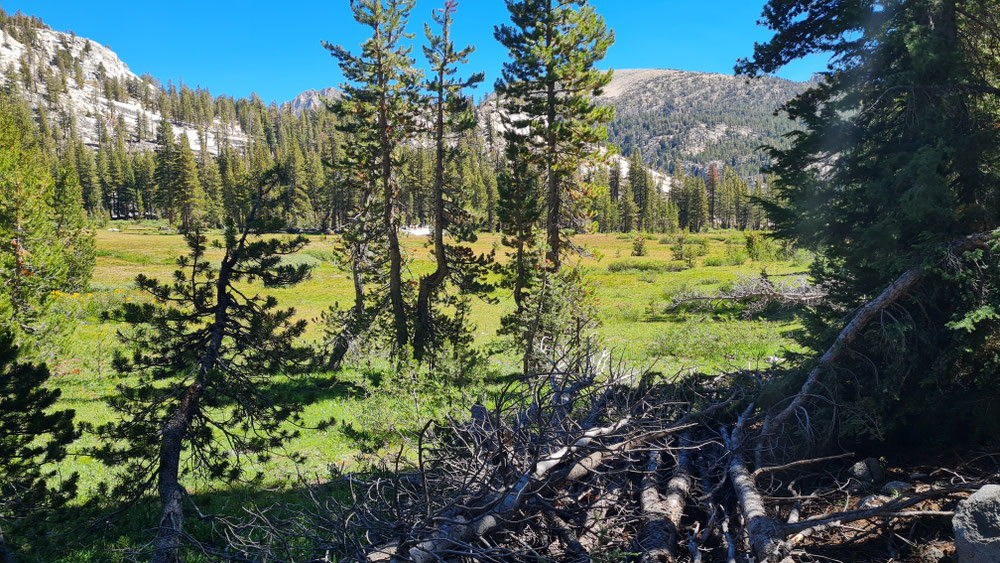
(273, 48)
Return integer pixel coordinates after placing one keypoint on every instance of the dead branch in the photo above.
(902, 286)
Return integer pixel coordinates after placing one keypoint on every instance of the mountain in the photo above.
(82, 85)
(692, 119)
(676, 118)
(312, 100)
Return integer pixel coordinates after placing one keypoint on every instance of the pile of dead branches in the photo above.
(586, 461)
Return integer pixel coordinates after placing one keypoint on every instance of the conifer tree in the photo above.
(628, 210)
(199, 358)
(452, 118)
(519, 211)
(713, 189)
(93, 198)
(44, 248)
(144, 172)
(641, 189)
(384, 89)
(32, 433)
(166, 175)
(71, 229)
(547, 89)
(896, 160)
(189, 197)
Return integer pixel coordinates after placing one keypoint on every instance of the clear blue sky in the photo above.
(273, 48)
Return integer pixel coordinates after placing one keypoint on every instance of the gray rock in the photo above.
(977, 527)
(872, 501)
(895, 488)
(867, 472)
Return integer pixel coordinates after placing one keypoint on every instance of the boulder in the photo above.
(866, 472)
(977, 527)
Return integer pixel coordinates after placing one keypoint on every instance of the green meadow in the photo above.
(375, 404)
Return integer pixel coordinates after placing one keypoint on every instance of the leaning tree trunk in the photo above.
(866, 314)
(166, 545)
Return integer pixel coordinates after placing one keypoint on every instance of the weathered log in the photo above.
(663, 513)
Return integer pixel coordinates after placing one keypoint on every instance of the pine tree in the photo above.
(713, 189)
(189, 197)
(166, 175)
(144, 171)
(44, 248)
(641, 190)
(547, 89)
(627, 209)
(383, 91)
(519, 211)
(32, 433)
(71, 228)
(452, 117)
(903, 127)
(93, 197)
(199, 360)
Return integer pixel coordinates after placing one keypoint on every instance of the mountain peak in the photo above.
(312, 100)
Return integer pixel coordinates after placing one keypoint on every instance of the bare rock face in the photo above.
(977, 527)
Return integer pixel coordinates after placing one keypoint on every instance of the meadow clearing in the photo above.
(375, 404)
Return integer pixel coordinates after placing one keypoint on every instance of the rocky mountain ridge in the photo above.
(676, 118)
(66, 77)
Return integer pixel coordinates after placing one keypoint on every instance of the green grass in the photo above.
(374, 404)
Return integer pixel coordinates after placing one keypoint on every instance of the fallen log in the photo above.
(902, 286)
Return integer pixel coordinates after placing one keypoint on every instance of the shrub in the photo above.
(735, 256)
(639, 246)
(639, 266)
(715, 261)
(762, 248)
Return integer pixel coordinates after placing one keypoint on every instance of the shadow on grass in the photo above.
(99, 531)
(313, 388)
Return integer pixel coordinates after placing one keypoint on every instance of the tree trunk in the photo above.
(357, 324)
(168, 536)
(429, 284)
(389, 219)
(166, 545)
(553, 200)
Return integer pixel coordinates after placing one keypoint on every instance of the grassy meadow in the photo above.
(373, 402)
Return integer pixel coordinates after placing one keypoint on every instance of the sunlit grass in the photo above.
(375, 403)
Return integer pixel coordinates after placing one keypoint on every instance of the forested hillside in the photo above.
(691, 119)
(125, 137)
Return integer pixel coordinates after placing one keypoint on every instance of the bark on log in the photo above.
(663, 514)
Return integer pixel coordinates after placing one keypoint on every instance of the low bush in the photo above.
(639, 266)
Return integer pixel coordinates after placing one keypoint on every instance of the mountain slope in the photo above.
(692, 118)
(80, 83)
